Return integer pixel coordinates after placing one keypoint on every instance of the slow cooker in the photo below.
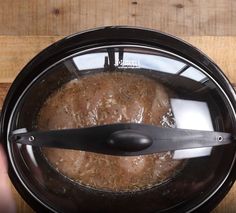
(120, 119)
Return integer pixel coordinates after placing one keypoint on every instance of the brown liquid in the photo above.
(104, 99)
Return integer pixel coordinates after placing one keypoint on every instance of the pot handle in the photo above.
(128, 139)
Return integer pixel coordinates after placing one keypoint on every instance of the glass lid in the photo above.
(122, 124)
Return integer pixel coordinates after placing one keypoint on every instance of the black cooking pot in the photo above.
(200, 129)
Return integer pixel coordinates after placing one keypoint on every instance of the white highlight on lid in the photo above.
(154, 62)
(193, 115)
(193, 74)
(90, 61)
(139, 60)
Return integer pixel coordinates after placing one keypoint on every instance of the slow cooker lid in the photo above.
(189, 111)
(196, 125)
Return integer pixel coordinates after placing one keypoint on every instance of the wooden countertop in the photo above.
(16, 51)
(63, 17)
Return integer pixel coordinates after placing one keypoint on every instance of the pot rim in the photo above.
(108, 35)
